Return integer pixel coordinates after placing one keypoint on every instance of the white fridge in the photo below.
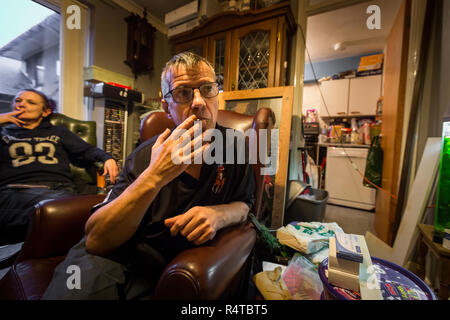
(343, 183)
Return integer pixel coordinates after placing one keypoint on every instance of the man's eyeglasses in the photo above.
(186, 94)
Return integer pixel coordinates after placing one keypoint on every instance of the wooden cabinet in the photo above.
(219, 53)
(248, 49)
(350, 97)
(311, 97)
(335, 98)
(363, 95)
(253, 52)
(198, 46)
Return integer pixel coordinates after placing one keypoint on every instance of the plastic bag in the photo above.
(307, 237)
(302, 279)
(374, 165)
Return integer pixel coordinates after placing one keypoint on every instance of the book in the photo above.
(372, 62)
(343, 265)
(348, 247)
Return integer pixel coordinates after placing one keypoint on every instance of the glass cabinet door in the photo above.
(255, 49)
(219, 62)
(219, 53)
(254, 60)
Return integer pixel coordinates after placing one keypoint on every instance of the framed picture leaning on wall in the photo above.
(280, 100)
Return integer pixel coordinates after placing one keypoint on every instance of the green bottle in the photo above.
(442, 217)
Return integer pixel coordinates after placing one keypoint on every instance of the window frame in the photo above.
(74, 57)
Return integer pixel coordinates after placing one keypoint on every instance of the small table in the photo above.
(442, 254)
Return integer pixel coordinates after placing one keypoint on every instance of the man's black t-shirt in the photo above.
(131, 272)
(182, 194)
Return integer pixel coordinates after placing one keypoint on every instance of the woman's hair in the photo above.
(48, 102)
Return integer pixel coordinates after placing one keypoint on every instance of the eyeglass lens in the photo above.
(186, 94)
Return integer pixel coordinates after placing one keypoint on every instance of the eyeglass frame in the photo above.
(193, 88)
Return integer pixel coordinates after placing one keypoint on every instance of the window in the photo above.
(29, 50)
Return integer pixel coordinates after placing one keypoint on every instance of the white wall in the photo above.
(110, 41)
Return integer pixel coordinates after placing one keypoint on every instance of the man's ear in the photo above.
(165, 106)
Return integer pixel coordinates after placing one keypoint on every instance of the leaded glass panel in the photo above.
(219, 62)
(254, 60)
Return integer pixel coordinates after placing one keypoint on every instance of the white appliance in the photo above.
(182, 27)
(343, 183)
(181, 14)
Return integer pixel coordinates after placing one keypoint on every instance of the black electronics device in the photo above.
(311, 132)
(116, 93)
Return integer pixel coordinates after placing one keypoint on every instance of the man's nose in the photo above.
(198, 101)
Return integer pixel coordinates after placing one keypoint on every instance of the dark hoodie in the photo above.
(43, 154)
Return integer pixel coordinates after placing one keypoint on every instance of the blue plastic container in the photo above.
(396, 283)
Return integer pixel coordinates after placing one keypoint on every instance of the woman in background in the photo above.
(34, 161)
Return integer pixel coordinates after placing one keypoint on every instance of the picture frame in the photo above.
(280, 100)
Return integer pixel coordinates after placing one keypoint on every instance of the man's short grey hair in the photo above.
(187, 59)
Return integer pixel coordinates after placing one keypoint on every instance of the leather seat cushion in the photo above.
(28, 280)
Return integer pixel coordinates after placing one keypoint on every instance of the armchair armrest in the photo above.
(57, 225)
(211, 270)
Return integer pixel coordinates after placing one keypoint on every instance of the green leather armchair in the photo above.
(85, 178)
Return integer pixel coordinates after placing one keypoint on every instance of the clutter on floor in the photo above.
(320, 261)
(307, 237)
(271, 285)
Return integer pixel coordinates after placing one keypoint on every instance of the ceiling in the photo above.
(348, 25)
(160, 7)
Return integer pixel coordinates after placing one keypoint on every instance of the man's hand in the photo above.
(110, 167)
(198, 224)
(180, 145)
(11, 117)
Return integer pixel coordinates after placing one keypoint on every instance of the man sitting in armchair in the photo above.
(34, 161)
(160, 207)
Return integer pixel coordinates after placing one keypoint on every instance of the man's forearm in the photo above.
(112, 225)
(232, 213)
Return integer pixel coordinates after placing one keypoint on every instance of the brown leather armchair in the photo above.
(218, 269)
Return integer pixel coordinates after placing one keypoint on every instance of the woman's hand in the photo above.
(11, 117)
(110, 167)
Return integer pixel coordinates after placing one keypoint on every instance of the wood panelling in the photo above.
(394, 83)
(276, 20)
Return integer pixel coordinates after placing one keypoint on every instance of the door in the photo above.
(219, 51)
(364, 93)
(335, 95)
(253, 51)
(394, 83)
